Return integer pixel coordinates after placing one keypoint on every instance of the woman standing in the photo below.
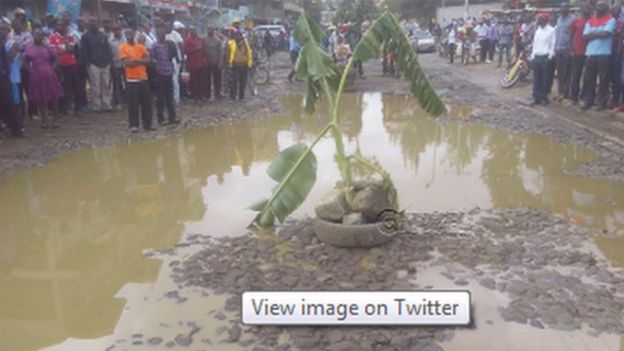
(44, 87)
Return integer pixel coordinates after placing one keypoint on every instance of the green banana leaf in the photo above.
(295, 171)
(386, 29)
(314, 64)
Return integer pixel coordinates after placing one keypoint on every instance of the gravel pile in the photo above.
(545, 264)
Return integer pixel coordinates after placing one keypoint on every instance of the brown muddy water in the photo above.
(72, 233)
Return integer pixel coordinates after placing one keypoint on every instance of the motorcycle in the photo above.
(518, 71)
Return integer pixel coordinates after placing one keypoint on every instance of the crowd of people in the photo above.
(53, 67)
(581, 52)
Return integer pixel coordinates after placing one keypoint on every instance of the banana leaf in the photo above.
(295, 171)
(386, 29)
(314, 64)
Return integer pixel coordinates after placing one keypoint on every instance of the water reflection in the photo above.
(72, 232)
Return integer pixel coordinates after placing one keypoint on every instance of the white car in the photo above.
(424, 41)
(274, 29)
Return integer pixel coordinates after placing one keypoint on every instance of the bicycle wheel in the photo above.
(262, 76)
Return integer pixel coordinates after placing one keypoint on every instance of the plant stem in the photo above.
(343, 79)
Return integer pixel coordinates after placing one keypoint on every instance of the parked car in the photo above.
(424, 41)
(280, 37)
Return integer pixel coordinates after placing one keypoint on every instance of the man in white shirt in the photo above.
(541, 56)
(174, 36)
(481, 30)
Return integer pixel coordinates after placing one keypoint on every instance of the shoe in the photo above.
(545, 102)
(175, 121)
(150, 129)
(619, 109)
(534, 103)
(600, 108)
(585, 106)
(109, 110)
(134, 130)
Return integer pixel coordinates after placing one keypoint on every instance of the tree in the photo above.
(407, 9)
(356, 11)
(294, 169)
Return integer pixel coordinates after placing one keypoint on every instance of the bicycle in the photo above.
(259, 74)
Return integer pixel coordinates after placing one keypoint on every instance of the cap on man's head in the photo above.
(19, 11)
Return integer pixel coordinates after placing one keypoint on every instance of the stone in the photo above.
(345, 345)
(234, 334)
(170, 344)
(154, 341)
(334, 336)
(537, 324)
(371, 201)
(332, 207)
(355, 218)
(183, 340)
(488, 283)
(461, 282)
(402, 274)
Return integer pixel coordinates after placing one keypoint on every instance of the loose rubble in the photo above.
(541, 261)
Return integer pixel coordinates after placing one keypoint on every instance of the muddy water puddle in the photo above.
(72, 233)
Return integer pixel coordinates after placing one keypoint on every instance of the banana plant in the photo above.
(294, 169)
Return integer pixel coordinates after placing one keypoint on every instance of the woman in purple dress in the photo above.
(44, 88)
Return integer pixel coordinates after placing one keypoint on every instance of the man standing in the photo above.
(117, 69)
(579, 46)
(8, 112)
(294, 55)
(163, 54)
(98, 57)
(505, 37)
(492, 38)
(452, 41)
(616, 59)
(541, 56)
(481, 30)
(563, 59)
(214, 53)
(135, 57)
(19, 73)
(195, 64)
(174, 36)
(599, 35)
(66, 46)
(240, 59)
(268, 43)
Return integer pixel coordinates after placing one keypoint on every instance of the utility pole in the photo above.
(99, 12)
(466, 10)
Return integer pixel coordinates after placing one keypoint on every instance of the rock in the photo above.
(170, 344)
(402, 274)
(234, 334)
(333, 207)
(334, 336)
(371, 201)
(461, 282)
(137, 342)
(537, 324)
(260, 348)
(154, 341)
(183, 340)
(222, 329)
(488, 283)
(353, 219)
(360, 184)
(345, 345)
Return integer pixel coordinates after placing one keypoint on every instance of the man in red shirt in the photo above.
(196, 62)
(66, 46)
(579, 44)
